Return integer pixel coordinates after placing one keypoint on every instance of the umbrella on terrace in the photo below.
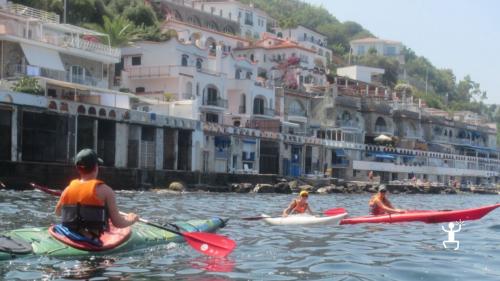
(383, 138)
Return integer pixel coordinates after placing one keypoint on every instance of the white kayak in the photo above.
(300, 219)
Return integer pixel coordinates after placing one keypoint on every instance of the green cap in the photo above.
(87, 158)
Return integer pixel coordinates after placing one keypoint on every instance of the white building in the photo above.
(69, 62)
(253, 22)
(307, 38)
(361, 73)
(386, 48)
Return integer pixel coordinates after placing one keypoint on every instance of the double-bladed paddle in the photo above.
(206, 243)
(328, 213)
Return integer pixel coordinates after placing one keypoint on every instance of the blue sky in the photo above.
(463, 35)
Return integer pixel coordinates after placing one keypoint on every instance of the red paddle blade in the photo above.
(334, 211)
(210, 244)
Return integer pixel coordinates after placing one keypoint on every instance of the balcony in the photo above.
(22, 10)
(296, 112)
(269, 112)
(384, 130)
(62, 40)
(349, 124)
(18, 71)
(222, 103)
(242, 109)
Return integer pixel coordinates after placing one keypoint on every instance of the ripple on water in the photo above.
(386, 252)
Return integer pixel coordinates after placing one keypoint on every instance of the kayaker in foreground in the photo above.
(299, 205)
(87, 203)
(380, 205)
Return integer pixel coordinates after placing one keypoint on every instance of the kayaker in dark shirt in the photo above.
(299, 205)
(87, 203)
(379, 204)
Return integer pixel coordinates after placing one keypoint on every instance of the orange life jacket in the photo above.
(299, 207)
(81, 208)
(375, 209)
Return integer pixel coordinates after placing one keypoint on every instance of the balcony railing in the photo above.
(22, 10)
(264, 111)
(296, 112)
(215, 102)
(10, 27)
(17, 70)
(242, 109)
(348, 124)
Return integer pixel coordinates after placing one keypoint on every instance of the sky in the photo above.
(463, 35)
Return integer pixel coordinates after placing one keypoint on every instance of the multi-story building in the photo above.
(381, 47)
(74, 107)
(219, 103)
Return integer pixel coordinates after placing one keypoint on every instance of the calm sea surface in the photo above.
(411, 251)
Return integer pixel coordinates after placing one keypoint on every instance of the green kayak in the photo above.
(39, 241)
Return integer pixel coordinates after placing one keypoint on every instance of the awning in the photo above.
(384, 156)
(290, 124)
(42, 57)
(250, 141)
(340, 152)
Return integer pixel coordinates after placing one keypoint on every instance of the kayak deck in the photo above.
(303, 219)
(143, 236)
(426, 216)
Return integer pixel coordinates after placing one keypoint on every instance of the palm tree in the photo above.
(121, 31)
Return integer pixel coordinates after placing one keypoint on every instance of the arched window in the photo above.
(296, 108)
(188, 93)
(184, 60)
(243, 104)
(258, 106)
(199, 63)
(380, 125)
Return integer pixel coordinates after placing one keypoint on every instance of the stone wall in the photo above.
(18, 175)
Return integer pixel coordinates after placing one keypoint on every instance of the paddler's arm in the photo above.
(290, 207)
(387, 208)
(59, 205)
(108, 195)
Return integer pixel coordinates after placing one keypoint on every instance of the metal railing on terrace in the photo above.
(215, 102)
(17, 70)
(264, 111)
(296, 112)
(63, 40)
(22, 10)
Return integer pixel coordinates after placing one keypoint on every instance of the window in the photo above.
(249, 75)
(390, 51)
(140, 90)
(248, 18)
(361, 50)
(243, 106)
(258, 106)
(237, 74)
(212, 118)
(229, 15)
(220, 13)
(212, 10)
(264, 58)
(305, 36)
(136, 60)
(184, 61)
(199, 63)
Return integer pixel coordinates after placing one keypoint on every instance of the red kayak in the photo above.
(425, 216)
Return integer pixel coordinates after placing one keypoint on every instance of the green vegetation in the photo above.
(28, 85)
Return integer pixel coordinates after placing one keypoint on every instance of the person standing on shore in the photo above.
(380, 205)
(87, 203)
(298, 205)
